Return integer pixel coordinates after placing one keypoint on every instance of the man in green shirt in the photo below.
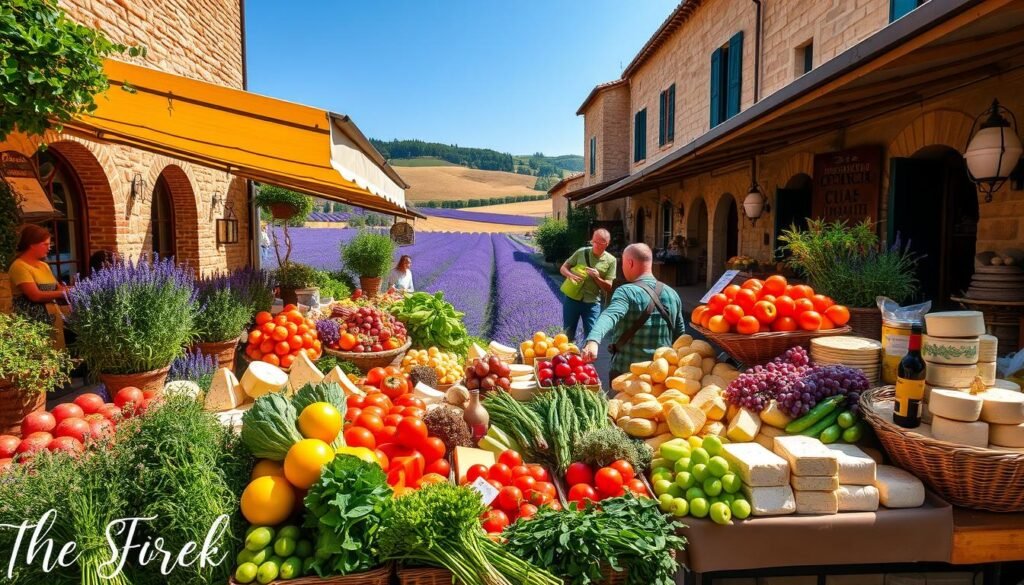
(596, 271)
(643, 315)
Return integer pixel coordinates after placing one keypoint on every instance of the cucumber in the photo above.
(847, 419)
(821, 425)
(854, 433)
(822, 409)
(831, 434)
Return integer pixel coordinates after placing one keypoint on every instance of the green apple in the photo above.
(731, 483)
(700, 472)
(673, 451)
(661, 486)
(663, 474)
(699, 455)
(720, 513)
(665, 502)
(712, 444)
(683, 464)
(661, 462)
(727, 498)
(699, 507)
(676, 491)
(712, 486)
(694, 493)
(718, 466)
(685, 480)
(680, 507)
(262, 556)
(740, 508)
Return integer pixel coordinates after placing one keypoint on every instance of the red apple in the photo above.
(38, 421)
(76, 428)
(67, 410)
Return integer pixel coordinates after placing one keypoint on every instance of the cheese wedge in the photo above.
(427, 394)
(744, 426)
(466, 457)
(757, 466)
(858, 498)
(339, 377)
(898, 488)
(807, 455)
(475, 352)
(262, 378)
(773, 415)
(225, 393)
(302, 372)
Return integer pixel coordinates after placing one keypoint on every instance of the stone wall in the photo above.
(607, 118)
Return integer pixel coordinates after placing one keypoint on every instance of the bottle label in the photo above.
(897, 344)
(909, 394)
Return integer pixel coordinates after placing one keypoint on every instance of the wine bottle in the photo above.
(910, 375)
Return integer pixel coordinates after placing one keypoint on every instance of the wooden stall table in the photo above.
(987, 537)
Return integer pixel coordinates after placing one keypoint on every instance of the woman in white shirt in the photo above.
(401, 276)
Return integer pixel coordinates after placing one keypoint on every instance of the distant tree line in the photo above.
(474, 158)
(462, 203)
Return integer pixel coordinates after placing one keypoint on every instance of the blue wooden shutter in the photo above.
(671, 112)
(735, 84)
(662, 111)
(593, 155)
(643, 133)
(899, 8)
(636, 136)
(716, 87)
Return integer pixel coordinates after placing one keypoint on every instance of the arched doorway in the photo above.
(68, 255)
(665, 227)
(697, 235)
(934, 206)
(161, 220)
(639, 232)
(174, 214)
(792, 206)
(726, 235)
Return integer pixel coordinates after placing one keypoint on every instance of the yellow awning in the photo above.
(252, 136)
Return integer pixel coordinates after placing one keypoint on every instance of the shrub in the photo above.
(332, 287)
(558, 239)
(268, 195)
(9, 221)
(369, 254)
(28, 358)
(222, 314)
(254, 287)
(294, 275)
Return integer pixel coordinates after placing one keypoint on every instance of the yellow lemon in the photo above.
(320, 420)
(268, 501)
(265, 467)
(360, 452)
(304, 460)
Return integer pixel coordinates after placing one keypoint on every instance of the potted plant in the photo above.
(369, 255)
(30, 366)
(254, 287)
(10, 219)
(221, 320)
(293, 277)
(132, 320)
(849, 264)
(283, 204)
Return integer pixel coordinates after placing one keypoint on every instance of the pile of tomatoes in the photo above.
(389, 421)
(278, 340)
(769, 305)
(368, 329)
(522, 489)
(607, 482)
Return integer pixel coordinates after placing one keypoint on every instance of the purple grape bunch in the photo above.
(759, 385)
(328, 331)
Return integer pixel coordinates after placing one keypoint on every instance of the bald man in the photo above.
(643, 315)
(583, 302)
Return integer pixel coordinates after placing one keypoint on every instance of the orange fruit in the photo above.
(268, 327)
(754, 284)
(296, 317)
(718, 324)
(265, 467)
(838, 314)
(731, 290)
(809, 320)
(268, 500)
(253, 351)
(280, 333)
(765, 312)
(827, 323)
(748, 325)
(289, 307)
(793, 292)
(347, 341)
(697, 313)
(292, 328)
(304, 460)
(784, 324)
(295, 341)
(267, 346)
(281, 320)
(732, 313)
(255, 337)
(263, 317)
(321, 420)
(786, 306)
(803, 305)
(539, 337)
(775, 284)
(287, 361)
(821, 303)
(746, 299)
(717, 302)
(306, 339)
(272, 359)
(282, 348)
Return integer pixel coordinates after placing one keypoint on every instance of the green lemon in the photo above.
(700, 472)
(712, 444)
(731, 483)
(682, 464)
(663, 474)
(680, 507)
(699, 455)
(259, 539)
(675, 491)
(694, 493)
(740, 508)
(665, 502)
(267, 572)
(685, 480)
(284, 547)
(712, 486)
(720, 513)
(718, 466)
(674, 450)
(261, 556)
(244, 556)
(727, 498)
(291, 568)
(661, 462)
(699, 507)
(661, 486)
(246, 572)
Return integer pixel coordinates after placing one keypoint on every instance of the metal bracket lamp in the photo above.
(755, 204)
(139, 191)
(994, 150)
(227, 226)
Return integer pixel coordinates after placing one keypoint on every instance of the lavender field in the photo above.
(501, 218)
(493, 278)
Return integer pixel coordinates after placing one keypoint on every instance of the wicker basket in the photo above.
(760, 348)
(972, 477)
(613, 577)
(424, 576)
(379, 576)
(866, 323)
(368, 361)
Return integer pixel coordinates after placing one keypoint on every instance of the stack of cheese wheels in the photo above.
(859, 353)
(992, 418)
(950, 348)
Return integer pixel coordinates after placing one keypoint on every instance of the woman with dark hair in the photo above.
(34, 284)
(401, 277)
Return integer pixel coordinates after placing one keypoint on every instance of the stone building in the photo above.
(791, 97)
(559, 204)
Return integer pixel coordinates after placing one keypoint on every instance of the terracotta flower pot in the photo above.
(15, 405)
(222, 351)
(151, 380)
(283, 210)
(288, 296)
(370, 285)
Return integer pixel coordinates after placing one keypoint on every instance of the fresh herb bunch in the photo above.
(328, 363)
(268, 195)
(331, 287)
(194, 366)
(328, 331)
(10, 219)
(223, 315)
(368, 254)
(28, 358)
(849, 264)
(624, 533)
(254, 287)
(294, 275)
(602, 446)
(432, 322)
(131, 318)
(440, 524)
(347, 507)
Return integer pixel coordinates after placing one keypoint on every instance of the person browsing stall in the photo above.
(588, 273)
(34, 285)
(642, 315)
(401, 277)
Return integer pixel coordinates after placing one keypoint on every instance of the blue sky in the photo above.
(501, 75)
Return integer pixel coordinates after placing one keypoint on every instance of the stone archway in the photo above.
(724, 237)
(103, 217)
(186, 212)
(697, 234)
(951, 128)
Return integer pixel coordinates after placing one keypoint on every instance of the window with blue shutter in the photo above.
(640, 135)
(593, 155)
(726, 80)
(735, 84)
(716, 87)
(667, 116)
(671, 113)
(900, 8)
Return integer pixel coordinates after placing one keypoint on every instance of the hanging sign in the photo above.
(719, 286)
(402, 233)
(847, 184)
(18, 171)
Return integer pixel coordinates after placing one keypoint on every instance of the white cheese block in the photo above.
(519, 371)
(988, 348)
(949, 350)
(475, 352)
(857, 498)
(427, 394)
(770, 501)
(302, 372)
(816, 502)
(757, 466)
(1007, 435)
(955, 324)
(946, 376)
(225, 392)
(987, 372)
(744, 426)
(974, 434)
(767, 436)
(814, 483)
(1006, 385)
(261, 378)
(955, 405)
(339, 377)
(856, 467)
(1004, 407)
(807, 455)
(898, 488)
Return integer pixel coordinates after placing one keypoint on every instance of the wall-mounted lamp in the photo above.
(682, 210)
(755, 203)
(227, 227)
(994, 150)
(139, 191)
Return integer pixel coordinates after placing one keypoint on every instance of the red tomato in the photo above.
(38, 421)
(494, 483)
(608, 481)
(67, 444)
(393, 450)
(554, 505)
(501, 473)
(510, 458)
(625, 469)
(409, 400)
(375, 410)
(838, 314)
(393, 419)
(476, 471)
(413, 412)
(89, 402)
(731, 290)
(765, 312)
(809, 320)
(636, 485)
(718, 302)
(76, 428)
(746, 299)
(784, 324)
(352, 414)
(375, 375)
(440, 467)
(388, 434)
(494, 521)
(520, 470)
(151, 393)
(34, 443)
(355, 401)
(538, 498)
(754, 284)
(547, 488)
(370, 422)
(360, 437)
(128, 395)
(578, 473)
(785, 306)
(525, 482)
(509, 498)
(8, 446)
(527, 511)
(100, 429)
(776, 284)
(394, 386)
(539, 473)
(732, 313)
(748, 325)
(378, 399)
(432, 449)
(411, 431)
(821, 303)
(111, 412)
(580, 493)
(69, 410)
(803, 305)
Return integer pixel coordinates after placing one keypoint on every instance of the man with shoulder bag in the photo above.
(589, 274)
(643, 315)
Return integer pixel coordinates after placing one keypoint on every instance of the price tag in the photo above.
(720, 285)
(487, 491)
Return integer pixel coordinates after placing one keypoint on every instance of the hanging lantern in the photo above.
(755, 204)
(994, 150)
(227, 227)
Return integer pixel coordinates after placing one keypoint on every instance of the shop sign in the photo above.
(18, 171)
(847, 184)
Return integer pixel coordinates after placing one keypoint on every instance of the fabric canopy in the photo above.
(251, 136)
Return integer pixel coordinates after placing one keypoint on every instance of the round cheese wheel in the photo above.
(987, 372)
(988, 348)
(955, 404)
(955, 324)
(1007, 435)
(974, 434)
(1006, 385)
(950, 350)
(261, 378)
(946, 376)
(1004, 407)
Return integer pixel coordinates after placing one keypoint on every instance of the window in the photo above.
(667, 116)
(900, 8)
(726, 80)
(162, 220)
(640, 135)
(666, 224)
(62, 186)
(804, 58)
(593, 155)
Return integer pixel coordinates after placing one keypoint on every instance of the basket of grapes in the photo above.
(368, 337)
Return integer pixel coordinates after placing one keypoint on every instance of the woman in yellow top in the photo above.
(33, 281)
